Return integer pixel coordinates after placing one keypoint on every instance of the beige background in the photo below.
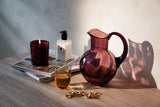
(24, 20)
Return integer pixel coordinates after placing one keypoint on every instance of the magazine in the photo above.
(45, 73)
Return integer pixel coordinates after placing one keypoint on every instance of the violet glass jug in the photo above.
(98, 65)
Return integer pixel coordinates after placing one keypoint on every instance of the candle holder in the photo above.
(39, 52)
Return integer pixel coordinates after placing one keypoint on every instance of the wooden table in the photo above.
(17, 89)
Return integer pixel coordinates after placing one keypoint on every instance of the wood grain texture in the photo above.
(18, 89)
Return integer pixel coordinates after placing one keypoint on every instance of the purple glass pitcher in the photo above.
(98, 65)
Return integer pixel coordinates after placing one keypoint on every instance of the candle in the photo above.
(39, 41)
(39, 52)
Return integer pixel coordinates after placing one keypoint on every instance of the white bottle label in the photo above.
(61, 53)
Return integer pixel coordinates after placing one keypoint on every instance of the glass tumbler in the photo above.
(63, 76)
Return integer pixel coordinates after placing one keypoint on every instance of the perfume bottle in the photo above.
(64, 46)
(63, 77)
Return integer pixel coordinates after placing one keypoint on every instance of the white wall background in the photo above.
(24, 20)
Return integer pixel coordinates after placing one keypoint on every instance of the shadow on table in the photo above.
(116, 82)
(123, 83)
(83, 85)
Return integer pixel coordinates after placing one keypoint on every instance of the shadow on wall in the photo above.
(138, 64)
(24, 20)
(6, 49)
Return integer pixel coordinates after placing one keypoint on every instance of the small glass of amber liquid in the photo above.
(63, 77)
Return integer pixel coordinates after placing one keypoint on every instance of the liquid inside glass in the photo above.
(62, 77)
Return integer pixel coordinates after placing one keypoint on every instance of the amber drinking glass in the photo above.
(63, 77)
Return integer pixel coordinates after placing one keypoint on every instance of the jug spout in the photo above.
(97, 33)
(98, 39)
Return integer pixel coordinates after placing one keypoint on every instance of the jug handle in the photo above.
(120, 59)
